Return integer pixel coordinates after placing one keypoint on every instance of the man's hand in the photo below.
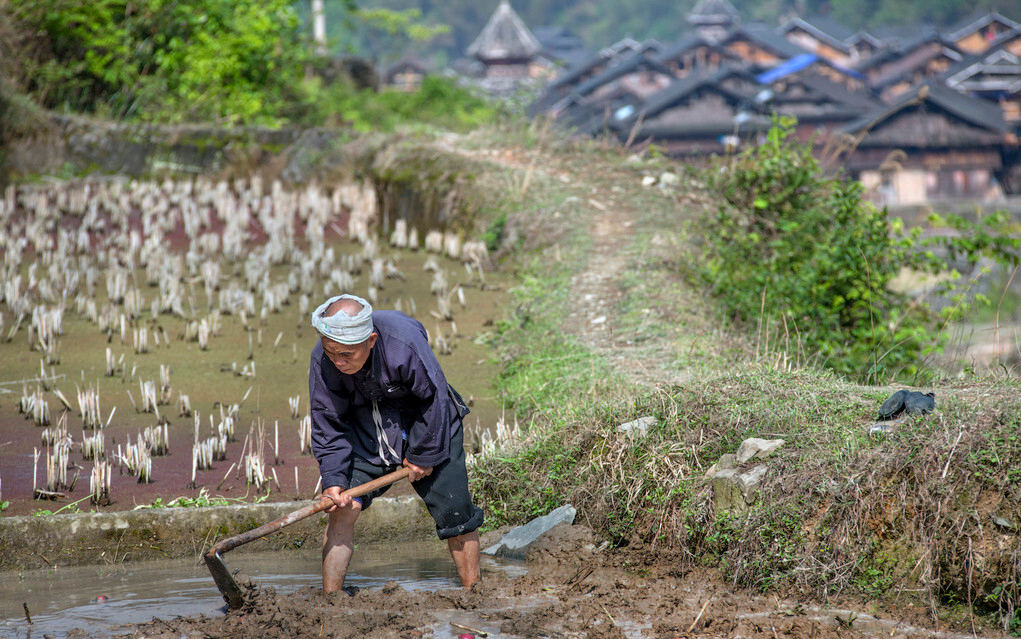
(340, 500)
(417, 472)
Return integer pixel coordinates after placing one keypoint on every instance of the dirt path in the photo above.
(595, 293)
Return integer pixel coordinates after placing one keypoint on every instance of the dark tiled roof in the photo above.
(505, 37)
(560, 44)
(755, 124)
(765, 37)
(895, 52)
(623, 47)
(897, 35)
(976, 21)
(977, 112)
(686, 43)
(633, 62)
(837, 93)
(824, 29)
(864, 36)
(574, 73)
(880, 57)
(406, 64)
(976, 58)
(678, 90)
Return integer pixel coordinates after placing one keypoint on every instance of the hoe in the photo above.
(225, 582)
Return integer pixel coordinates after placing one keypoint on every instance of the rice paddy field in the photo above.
(154, 336)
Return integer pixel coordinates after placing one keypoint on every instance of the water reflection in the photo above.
(101, 599)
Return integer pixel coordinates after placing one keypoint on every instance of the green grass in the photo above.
(839, 513)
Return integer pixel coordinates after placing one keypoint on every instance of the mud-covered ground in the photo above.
(574, 588)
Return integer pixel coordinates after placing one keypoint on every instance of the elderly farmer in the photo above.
(379, 400)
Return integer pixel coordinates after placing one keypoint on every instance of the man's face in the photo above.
(348, 358)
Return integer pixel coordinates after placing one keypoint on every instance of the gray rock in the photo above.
(1003, 523)
(755, 448)
(727, 461)
(639, 426)
(735, 490)
(667, 179)
(879, 430)
(516, 542)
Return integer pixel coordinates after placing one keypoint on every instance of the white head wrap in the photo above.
(341, 327)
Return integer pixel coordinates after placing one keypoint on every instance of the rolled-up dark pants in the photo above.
(445, 491)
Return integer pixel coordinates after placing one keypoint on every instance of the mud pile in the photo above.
(573, 589)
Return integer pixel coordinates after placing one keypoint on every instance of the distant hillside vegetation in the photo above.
(601, 22)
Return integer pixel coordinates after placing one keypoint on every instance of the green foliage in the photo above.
(202, 500)
(383, 34)
(3, 505)
(494, 234)
(803, 256)
(213, 60)
(438, 102)
(542, 364)
(987, 461)
(71, 508)
(233, 63)
(778, 543)
(600, 23)
(874, 575)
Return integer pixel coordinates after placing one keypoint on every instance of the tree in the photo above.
(231, 61)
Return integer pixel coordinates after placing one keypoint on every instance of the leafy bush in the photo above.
(809, 261)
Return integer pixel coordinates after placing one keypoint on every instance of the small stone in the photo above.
(878, 431)
(755, 448)
(1003, 523)
(668, 179)
(639, 426)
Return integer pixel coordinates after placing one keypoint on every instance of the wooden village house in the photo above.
(994, 74)
(825, 38)
(900, 67)
(510, 54)
(915, 118)
(713, 19)
(933, 143)
(405, 75)
(977, 33)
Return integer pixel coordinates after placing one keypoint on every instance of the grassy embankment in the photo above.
(928, 515)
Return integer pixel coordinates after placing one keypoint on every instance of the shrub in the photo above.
(807, 259)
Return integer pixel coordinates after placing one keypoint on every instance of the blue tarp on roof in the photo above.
(795, 64)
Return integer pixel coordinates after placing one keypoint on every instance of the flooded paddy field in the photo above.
(104, 600)
(154, 336)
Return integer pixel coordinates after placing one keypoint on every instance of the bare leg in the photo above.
(464, 550)
(338, 545)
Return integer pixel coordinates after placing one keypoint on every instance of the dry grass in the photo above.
(907, 518)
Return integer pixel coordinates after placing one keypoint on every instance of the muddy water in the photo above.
(101, 599)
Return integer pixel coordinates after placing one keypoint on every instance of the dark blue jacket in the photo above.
(420, 411)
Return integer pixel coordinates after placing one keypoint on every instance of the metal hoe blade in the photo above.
(225, 582)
